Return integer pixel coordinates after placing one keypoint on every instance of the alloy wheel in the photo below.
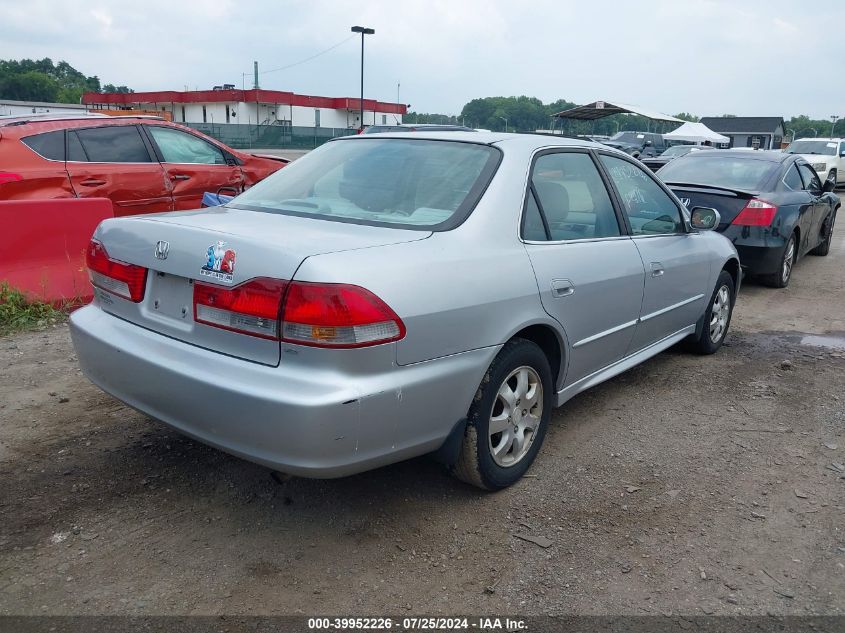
(719, 314)
(788, 260)
(516, 415)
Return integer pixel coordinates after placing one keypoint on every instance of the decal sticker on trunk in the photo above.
(220, 263)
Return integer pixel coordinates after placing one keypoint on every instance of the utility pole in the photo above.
(255, 72)
(363, 31)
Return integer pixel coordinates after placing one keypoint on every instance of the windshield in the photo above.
(385, 182)
(678, 150)
(732, 172)
(812, 147)
(637, 138)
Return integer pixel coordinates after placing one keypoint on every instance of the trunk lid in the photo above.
(728, 202)
(226, 247)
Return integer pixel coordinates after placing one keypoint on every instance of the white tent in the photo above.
(695, 133)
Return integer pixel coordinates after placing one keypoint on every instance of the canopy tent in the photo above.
(601, 109)
(695, 133)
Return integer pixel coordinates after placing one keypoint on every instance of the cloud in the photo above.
(701, 56)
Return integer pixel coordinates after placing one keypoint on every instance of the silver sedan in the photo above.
(388, 296)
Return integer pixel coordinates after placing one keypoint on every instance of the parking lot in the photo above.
(695, 485)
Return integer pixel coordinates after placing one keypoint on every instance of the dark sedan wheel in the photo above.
(827, 232)
(507, 421)
(717, 316)
(781, 278)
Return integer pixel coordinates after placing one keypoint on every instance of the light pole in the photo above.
(363, 31)
(834, 118)
(506, 123)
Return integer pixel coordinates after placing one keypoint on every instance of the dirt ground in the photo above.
(689, 485)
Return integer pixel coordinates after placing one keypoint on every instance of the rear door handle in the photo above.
(180, 177)
(562, 287)
(657, 269)
(91, 182)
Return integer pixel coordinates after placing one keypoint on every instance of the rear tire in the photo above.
(827, 230)
(508, 417)
(781, 278)
(717, 316)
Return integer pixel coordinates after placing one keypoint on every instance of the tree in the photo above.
(42, 80)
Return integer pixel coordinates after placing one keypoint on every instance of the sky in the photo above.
(706, 57)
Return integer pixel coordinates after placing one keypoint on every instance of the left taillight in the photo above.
(124, 280)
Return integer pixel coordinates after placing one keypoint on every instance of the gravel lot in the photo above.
(688, 485)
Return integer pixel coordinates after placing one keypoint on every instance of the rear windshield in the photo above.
(421, 184)
(731, 172)
(812, 147)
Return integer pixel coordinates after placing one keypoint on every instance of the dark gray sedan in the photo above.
(773, 206)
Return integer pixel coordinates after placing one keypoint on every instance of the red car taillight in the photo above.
(6, 176)
(125, 280)
(320, 315)
(251, 308)
(756, 213)
(338, 315)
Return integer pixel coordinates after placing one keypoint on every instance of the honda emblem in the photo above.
(684, 201)
(162, 249)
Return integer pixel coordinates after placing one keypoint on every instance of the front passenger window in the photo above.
(650, 210)
(181, 147)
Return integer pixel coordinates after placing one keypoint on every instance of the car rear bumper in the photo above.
(289, 418)
(759, 252)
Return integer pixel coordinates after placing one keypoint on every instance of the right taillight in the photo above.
(319, 315)
(756, 213)
(124, 280)
(337, 315)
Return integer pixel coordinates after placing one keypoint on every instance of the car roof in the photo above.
(522, 141)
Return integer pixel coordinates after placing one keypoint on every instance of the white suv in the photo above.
(826, 155)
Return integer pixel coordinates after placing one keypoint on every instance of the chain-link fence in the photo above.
(242, 136)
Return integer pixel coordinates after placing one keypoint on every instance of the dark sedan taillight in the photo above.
(756, 213)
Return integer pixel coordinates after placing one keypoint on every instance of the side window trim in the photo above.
(684, 224)
(621, 220)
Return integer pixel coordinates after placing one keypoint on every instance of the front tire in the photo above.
(827, 230)
(717, 316)
(507, 420)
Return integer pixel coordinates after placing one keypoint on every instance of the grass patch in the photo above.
(18, 313)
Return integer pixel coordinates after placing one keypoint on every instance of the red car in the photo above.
(143, 164)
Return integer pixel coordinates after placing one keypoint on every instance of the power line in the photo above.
(307, 59)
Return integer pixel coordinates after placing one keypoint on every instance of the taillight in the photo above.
(251, 308)
(337, 315)
(6, 176)
(125, 280)
(756, 213)
(319, 315)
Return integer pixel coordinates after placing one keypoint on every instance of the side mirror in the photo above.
(704, 218)
(829, 185)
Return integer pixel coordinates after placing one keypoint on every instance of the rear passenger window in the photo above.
(572, 198)
(50, 145)
(650, 210)
(181, 147)
(114, 144)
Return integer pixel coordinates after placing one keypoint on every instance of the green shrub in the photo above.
(19, 313)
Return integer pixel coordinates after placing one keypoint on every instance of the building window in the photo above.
(204, 115)
(183, 114)
(316, 118)
(384, 119)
